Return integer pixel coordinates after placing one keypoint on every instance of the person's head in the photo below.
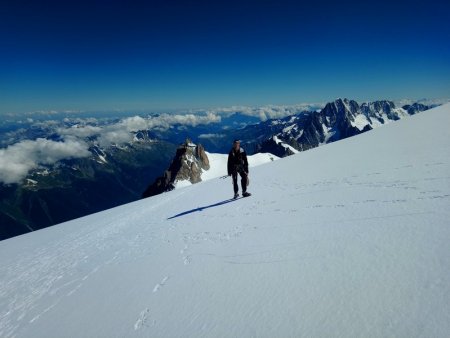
(236, 144)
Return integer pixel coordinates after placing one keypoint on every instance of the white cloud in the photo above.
(428, 102)
(79, 131)
(80, 120)
(133, 123)
(18, 159)
(122, 132)
(211, 135)
(192, 120)
(119, 136)
(268, 112)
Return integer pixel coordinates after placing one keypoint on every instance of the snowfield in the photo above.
(350, 239)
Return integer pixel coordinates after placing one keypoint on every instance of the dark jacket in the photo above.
(237, 161)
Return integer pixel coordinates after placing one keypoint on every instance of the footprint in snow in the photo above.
(187, 260)
(143, 319)
(160, 284)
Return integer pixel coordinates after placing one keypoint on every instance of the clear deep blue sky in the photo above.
(105, 55)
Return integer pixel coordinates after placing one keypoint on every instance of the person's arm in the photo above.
(229, 164)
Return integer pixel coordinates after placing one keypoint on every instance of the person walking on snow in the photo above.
(238, 164)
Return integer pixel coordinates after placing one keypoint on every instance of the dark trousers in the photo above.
(243, 181)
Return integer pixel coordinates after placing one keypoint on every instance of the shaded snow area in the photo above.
(346, 240)
(361, 121)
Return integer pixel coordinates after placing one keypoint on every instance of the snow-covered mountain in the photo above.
(339, 119)
(348, 239)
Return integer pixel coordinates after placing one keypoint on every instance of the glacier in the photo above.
(348, 239)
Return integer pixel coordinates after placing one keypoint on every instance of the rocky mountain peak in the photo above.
(340, 109)
(187, 165)
(339, 119)
(415, 108)
(380, 110)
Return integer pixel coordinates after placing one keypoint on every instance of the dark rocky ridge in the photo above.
(336, 121)
(187, 164)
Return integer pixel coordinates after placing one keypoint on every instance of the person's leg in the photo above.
(235, 183)
(243, 181)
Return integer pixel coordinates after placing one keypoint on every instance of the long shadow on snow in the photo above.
(205, 207)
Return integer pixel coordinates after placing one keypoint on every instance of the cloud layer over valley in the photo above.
(46, 142)
(18, 159)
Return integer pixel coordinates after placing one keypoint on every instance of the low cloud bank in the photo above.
(269, 112)
(122, 132)
(17, 160)
(211, 135)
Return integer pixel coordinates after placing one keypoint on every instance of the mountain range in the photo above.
(120, 172)
(337, 120)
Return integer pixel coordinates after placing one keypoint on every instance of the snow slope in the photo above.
(285, 145)
(218, 163)
(346, 240)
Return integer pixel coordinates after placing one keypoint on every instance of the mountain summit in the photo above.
(187, 165)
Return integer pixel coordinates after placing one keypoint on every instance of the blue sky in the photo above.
(158, 55)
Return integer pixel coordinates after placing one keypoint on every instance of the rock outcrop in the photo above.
(187, 165)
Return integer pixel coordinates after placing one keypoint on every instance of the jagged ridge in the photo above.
(339, 119)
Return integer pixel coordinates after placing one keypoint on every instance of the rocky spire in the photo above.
(187, 165)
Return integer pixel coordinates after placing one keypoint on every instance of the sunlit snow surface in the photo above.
(218, 166)
(346, 240)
